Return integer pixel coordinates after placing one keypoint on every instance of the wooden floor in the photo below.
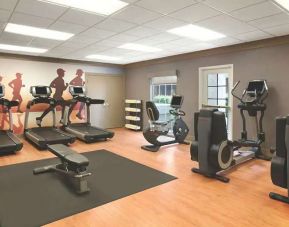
(191, 200)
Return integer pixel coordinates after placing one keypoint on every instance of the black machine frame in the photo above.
(11, 143)
(33, 135)
(158, 128)
(73, 167)
(91, 133)
(279, 163)
(212, 149)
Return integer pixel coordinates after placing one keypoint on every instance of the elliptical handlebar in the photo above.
(233, 92)
(266, 92)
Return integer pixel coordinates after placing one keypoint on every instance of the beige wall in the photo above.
(270, 63)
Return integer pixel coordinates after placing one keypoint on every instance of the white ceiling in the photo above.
(143, 22)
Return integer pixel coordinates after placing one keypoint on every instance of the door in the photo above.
(111, 88)
(215, 85)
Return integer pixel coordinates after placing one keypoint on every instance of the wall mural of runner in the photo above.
(17, 88)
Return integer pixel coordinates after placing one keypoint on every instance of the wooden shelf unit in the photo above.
(134, 114)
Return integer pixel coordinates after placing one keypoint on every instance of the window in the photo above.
(162, 90)
(218, 93)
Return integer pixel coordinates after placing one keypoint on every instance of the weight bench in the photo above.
(73, 167)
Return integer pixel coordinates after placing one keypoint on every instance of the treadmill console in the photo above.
(40, 91)
(177, 101)
(2, 91)
(76, 91)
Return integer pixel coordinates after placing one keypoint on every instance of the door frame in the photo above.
(202, 79)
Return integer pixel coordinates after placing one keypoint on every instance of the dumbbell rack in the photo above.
(134, 114)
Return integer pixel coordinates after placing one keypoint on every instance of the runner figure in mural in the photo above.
(60, 86)
(78, 81)
(17, 85)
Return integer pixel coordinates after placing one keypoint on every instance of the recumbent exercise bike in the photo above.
(160, 129)
(212, 149)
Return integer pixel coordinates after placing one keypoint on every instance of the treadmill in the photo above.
(41, 137)
(9, 143)
(84, 131)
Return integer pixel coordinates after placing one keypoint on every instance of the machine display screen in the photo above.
(41, 90)
(1, 90)
(257, 86)
(78, 90)
(177, 101)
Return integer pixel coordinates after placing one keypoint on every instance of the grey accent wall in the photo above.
(270, 63)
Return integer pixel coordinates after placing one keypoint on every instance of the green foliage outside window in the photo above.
(162, 99)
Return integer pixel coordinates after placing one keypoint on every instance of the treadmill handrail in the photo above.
(40, 100)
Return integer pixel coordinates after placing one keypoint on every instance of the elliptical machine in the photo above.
(159, 129)
(213, 150)
(252, 101)
(280, 164)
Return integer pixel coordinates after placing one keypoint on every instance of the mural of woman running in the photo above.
(78, 81)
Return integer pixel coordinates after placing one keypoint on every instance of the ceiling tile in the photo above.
(142, 32)
(275, 20)
(165, 23)
(44, 43)
(164, 37)
(130, 1)
(4, 15)
(95, 48)
(226, 25)
(256, 11)
(226, 41)
(61, 51)
(73, 45)
(67, 27)
(84, 39)
(165, 6)
(107, 43)
(278, 30)
(41, 9)
(251, 36)
(20, 18)
(136, 14)
(157, 39)
(13, 39)
(97, 33)
(123, 38)
(195, 13)
(230, 5)
(8, 4)
(114, 25)
(115, 52)
(80, 17)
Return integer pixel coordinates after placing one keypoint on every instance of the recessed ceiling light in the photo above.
(102, 57)
(104, 7)
(283, 3)
(37, 32)
(196, 32)
(22, 48)
(139, 47)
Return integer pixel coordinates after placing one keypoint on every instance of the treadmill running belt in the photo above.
(41, 137)
(9, 143)
(49, 133)
(88, 129)
(5, 141)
